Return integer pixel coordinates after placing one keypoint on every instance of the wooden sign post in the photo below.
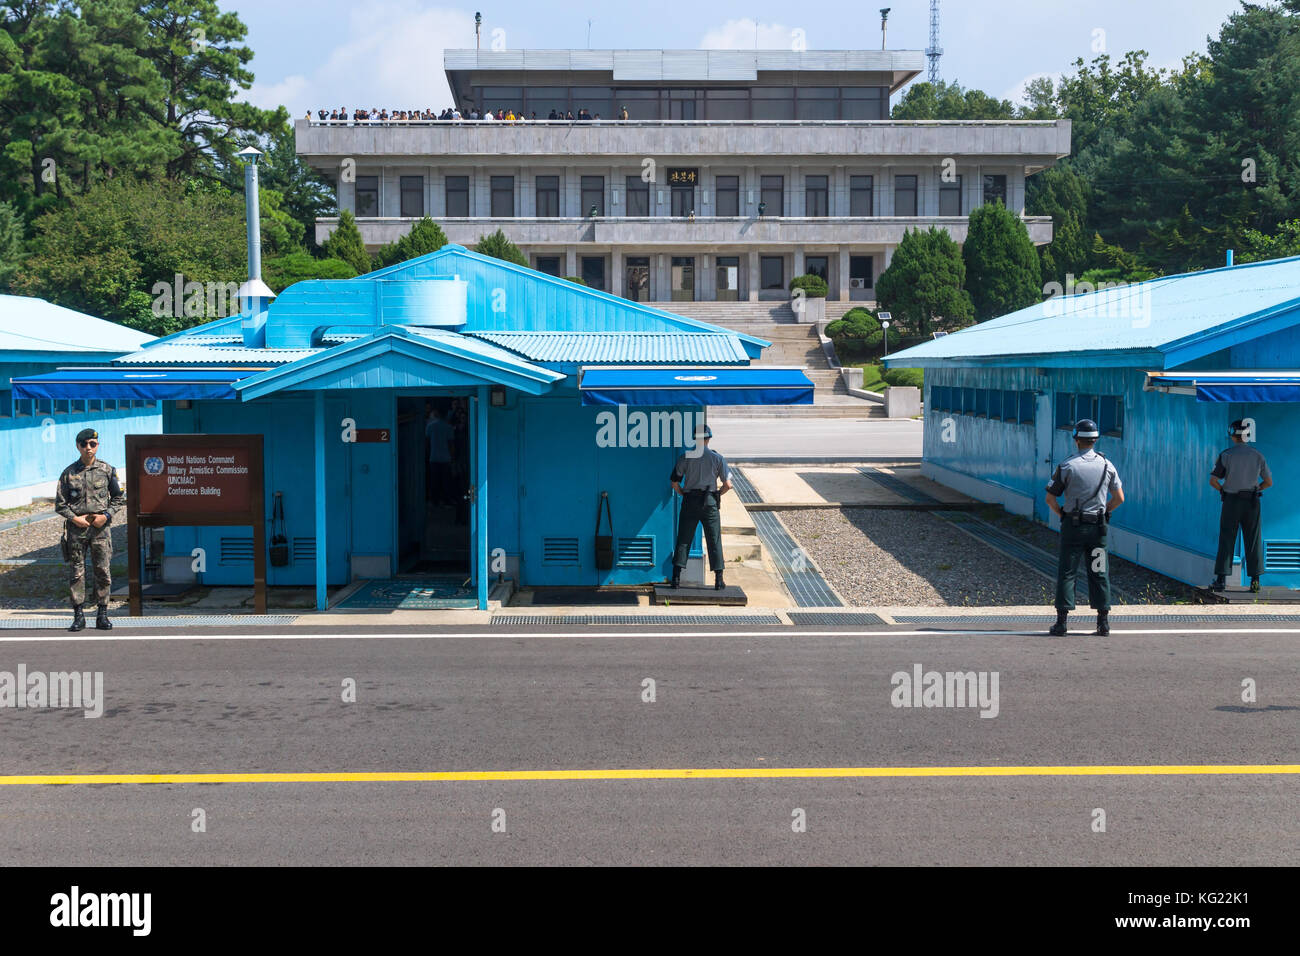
(192, 481)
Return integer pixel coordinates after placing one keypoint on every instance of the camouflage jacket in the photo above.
(89, 490)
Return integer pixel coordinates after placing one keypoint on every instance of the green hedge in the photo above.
(859, 335)
(913, 377)
(814, 287)
(576, 279)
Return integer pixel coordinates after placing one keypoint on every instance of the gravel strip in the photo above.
(876, 558)
(46, 585)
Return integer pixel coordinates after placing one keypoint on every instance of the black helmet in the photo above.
(1086, 428)
(1237, 428)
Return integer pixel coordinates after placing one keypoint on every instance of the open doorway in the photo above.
(433, 512)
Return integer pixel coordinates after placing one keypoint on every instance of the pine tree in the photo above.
(1002, 269)
(345, 243)
(426, 236)
(924, 282)
(499, 246)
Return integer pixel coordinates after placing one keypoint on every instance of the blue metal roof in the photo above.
(184, 352)
(148, 384)
(751, 385)
(1165, 322)
(1252, 386)
(28, 324)
(707, 348)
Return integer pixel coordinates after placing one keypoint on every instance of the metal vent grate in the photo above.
(828, 618)
(638, 552)
(237, 550)
(1282, 555)
(623, 620)
(562, 551)
(304, 549)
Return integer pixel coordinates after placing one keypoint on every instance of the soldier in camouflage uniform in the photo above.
(88, 498)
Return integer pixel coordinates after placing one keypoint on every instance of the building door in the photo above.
(683, 201)
(636, 276)
(433, 512)
(683, 284)
(861, 279)
(1044, 432)
(593, 272)
(728, 278)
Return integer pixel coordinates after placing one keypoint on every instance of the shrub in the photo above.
(859, 333)
(283, 271)
(499, 246)
(814, 287)
(909, 377)
(576, 279)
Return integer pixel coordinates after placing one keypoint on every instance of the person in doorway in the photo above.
(1240, 476)
(440, 438)
(696, 479)
(1092, 490)
(88, 497)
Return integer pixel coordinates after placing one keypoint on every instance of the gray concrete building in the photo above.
(734, 171)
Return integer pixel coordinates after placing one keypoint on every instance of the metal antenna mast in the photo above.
(935, 51)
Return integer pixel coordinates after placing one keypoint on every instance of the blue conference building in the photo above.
(553, 394)
(1163, 367)
(37, 434)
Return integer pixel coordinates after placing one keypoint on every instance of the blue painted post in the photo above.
(481, 495)
(322, 548)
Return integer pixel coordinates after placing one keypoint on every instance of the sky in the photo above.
(388, 53)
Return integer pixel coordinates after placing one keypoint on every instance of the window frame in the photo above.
(406, 188)
(551, 191)
(946, 192)
(497, 189)
(728, 186)
(856, 192)
(449, 190)
(590, 187)
(817, 195)
(901, 189)
(358, 190)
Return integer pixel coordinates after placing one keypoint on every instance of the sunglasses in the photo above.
(88, 444)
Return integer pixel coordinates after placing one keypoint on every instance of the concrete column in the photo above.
(704, 290)
(798, 261)
(843, 294)
(347, 196)
(615, 282)
(753, 276)
(888, 258)
(661, 265)
(748, 184)
(570, 261)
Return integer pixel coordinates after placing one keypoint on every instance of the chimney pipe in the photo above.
(254, 293)
(1229, 258)
(884, 20)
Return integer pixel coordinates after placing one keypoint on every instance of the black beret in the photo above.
(86, 434)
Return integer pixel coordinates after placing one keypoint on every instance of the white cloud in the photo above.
(739, 35)
(1017, 93)
(392, 58)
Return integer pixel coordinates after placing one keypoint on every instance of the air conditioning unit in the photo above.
(857, 283)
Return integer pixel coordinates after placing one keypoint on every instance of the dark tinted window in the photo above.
(593, 195)
(995, 189)
(861, 202)
(548, 196)
(503, 197)
(772, 193)
(457, 196)
(950, 198)
(904, 195)
(412, 195)
(816, 196)
(367, 196)
(772, 270)
(638, 197)
(728, 193)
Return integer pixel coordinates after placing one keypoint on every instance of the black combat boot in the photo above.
(1103, 624)
(101, 619)
(1058, 629)
(718, 583)
(1218, 584)
(78, 619)
(677, 577)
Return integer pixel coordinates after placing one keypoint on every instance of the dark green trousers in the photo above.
(1083, 541)
(1240, 513)
(699, 509)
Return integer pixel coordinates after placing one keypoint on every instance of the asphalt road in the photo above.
(783, 698)
(749, 439)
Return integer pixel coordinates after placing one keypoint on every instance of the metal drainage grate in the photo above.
(745, 489)
(859, 618)
(899, 487)
(805, 583)
(720, 620)
(193, 620)
(1085, 616)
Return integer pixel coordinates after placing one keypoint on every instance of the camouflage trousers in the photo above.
(98, 543)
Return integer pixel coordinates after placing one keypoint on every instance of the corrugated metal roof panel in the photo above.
(622, 347)
(686, 64)
(29, 324)
(591, 59)
(546, 60)
(732, 65)
(638, 65)
(468, 343)
(1149, 315)
(181, 352)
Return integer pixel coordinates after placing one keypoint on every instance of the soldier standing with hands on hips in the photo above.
(88, 497)
(695, 478)
(1087, 480)
(1240, 475)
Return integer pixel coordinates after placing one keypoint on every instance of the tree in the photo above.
(345, 243)
(426, 236)
(116, 251)
(12, 246)
(499, 246)
(1002, 271)
(924, 282)
(948, 101)
(1062, 194)
(283, 271)
(1255, 246)
(305, 195)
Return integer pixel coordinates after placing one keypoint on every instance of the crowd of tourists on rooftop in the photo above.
(342, 117)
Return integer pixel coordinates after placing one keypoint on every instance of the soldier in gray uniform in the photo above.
(1087, 480)
(88, 498)
(696, 479)
(1240, 475)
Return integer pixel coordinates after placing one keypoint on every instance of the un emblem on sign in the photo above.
(153, 465)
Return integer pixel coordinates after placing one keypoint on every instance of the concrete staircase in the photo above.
(792, 345)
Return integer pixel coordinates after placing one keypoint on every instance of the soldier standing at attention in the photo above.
(1087, 480)
(88, 498)
(695, 478)
(1240, 475)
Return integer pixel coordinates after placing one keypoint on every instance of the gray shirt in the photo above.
(1240, 468)
(701, 473)
(1085, 480)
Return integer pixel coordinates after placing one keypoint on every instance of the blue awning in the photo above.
(153, 384)
(1247, 387)
(751, 385)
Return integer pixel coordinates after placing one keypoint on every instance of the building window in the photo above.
(642, 104)
(683, 200)
(412, 202)
(772, 272)
(1111, 421)
(995, 189)
(937, 401)
(594, 99)
(864, 103)
(549, 264)
(726, 104)
(542, 99)
(6, 404)
(548, 197)
(861, 201)
(728, 190)
(904, 195)
(817, 196)
(817, 266)
(995, 404)
(1026, 408)
(950, 198)
(457, 197)
(367, 196)
(1010, 407)
(861, 269)
(593, 195)
(772, 195)
(503, 197)
(772, 103)
(817, 103)
(638, 196)
(1064, 410)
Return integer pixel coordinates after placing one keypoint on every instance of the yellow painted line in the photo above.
(707, 773)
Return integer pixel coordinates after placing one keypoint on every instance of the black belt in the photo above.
(700, 491)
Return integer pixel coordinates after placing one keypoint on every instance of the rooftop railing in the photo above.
(685, 123)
